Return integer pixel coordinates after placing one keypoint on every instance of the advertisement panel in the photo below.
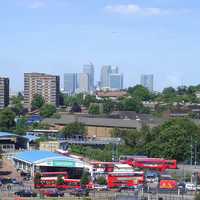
(168, 184)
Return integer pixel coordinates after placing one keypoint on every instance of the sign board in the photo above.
(168, 184)
(63, 163)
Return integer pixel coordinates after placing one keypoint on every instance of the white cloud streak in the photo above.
(134, 9)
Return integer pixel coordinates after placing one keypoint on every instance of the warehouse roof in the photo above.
(89, 121)
(36, 157)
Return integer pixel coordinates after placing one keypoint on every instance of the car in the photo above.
(126, 188)
(15, 182)
(26, 193)
(53, 193)
(190, 187)
(5, 181)
(100, 187)
(151, 179)
(27, 178)
(80, 192)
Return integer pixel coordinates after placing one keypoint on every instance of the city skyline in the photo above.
(141, 37)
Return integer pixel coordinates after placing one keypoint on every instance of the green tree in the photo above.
(94, 109)
(7, 119)
(88, 100)
(101, 180)
(173, 139)
(21, 127)
(38, 102)
(16, 104)
(108, 105)
(72, 129)
(60, 180)
(85, 179)
(47, 110)
(132, 104)
(139, 92)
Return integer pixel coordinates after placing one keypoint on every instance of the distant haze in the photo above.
(141, 37)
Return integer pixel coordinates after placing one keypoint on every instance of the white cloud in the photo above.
(134, 9)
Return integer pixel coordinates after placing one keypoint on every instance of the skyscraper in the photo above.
(4, 92)
(147, 81)
(89, 69)
(70, 80)
(48, 86)
(82, 83)
(116, 81)
(105, 73)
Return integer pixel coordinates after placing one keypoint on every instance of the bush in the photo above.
(101, 180)
(197, 196)
(47, 110)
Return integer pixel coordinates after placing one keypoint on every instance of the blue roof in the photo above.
(34, 156)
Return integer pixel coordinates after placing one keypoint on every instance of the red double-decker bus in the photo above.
(149, 163)
(102, 167)
(131, 179)
(52, 183)
(49, 179)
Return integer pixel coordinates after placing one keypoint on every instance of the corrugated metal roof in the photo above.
(35, 156)
(103, 122)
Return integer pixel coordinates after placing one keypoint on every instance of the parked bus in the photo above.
(131, 179)
(54, 174)
(102, 167)
(49, 179)
(70, 184)
(157, 164)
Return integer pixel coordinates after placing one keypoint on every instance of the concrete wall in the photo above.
(49, 146)
(99, 132)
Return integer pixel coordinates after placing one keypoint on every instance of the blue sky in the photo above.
(140, 36)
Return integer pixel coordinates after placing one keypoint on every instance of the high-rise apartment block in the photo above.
(48, 86)
(147, 81)
(4, 92)
(89, 69)
(70, 83)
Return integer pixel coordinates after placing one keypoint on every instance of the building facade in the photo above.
(147, 81)
(105, 72)
(116, 82)
(82, 83)
(70, 83)
(89, 69)
(4, 92)
(48, 86)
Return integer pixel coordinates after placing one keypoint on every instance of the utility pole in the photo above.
(195, 154)
(191, 158)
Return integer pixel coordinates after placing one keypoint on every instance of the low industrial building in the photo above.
(10, 142)
(44, 161)
(96, 127)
